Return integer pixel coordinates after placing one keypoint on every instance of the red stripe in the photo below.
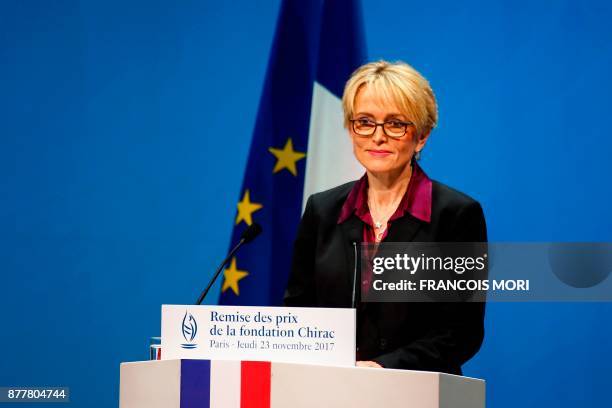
(255, 384)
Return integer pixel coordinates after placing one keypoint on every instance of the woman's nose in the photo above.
(379, 136)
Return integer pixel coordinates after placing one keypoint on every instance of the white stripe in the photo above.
(330, 160)
(224, 384)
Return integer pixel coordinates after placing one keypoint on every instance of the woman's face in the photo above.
(380, 153)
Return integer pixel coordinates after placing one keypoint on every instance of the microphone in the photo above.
(250, 233)
(247, 236)
(354, 239)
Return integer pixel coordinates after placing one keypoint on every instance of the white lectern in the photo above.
(229, 384)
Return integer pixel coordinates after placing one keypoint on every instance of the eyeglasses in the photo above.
(393, 128)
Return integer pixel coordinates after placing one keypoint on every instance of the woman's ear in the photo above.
(422, 140)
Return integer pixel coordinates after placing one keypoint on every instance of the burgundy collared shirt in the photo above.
(416, 202)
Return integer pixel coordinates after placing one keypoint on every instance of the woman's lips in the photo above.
(379, 153)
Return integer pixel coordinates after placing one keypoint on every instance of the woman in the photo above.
(389, 111)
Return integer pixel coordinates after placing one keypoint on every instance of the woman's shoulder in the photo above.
(458, 217)
(447, 198)
(330, 201)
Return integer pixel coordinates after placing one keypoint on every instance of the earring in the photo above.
(417, 155)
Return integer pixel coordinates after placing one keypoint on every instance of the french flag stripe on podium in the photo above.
(255, 384)
(230, 384)
(225, 384)
(195, 383)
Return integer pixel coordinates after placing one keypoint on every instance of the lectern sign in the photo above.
(298, 335)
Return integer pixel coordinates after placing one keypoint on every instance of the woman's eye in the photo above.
(395, 123)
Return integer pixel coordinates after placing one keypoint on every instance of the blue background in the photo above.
(124, 132)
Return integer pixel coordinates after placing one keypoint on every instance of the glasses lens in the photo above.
(395, 128)
(364, 127)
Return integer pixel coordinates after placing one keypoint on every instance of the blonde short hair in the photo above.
(396, 83)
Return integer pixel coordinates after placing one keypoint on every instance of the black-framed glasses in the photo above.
(393, 128)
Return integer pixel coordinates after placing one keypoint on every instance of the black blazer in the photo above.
(417, 336)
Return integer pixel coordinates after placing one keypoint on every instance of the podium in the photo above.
(235, 384)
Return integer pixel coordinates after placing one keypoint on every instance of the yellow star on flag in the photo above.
(286, 158)
(246, 209)
(232, 275)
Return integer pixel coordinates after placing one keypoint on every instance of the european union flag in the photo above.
(299, 146)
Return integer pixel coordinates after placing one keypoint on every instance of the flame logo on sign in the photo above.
(189, 329)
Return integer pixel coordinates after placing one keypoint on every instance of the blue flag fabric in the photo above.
(318, 41)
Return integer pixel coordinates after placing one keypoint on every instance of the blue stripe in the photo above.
(195, 384)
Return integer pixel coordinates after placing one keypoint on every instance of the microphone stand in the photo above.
(219, 269)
